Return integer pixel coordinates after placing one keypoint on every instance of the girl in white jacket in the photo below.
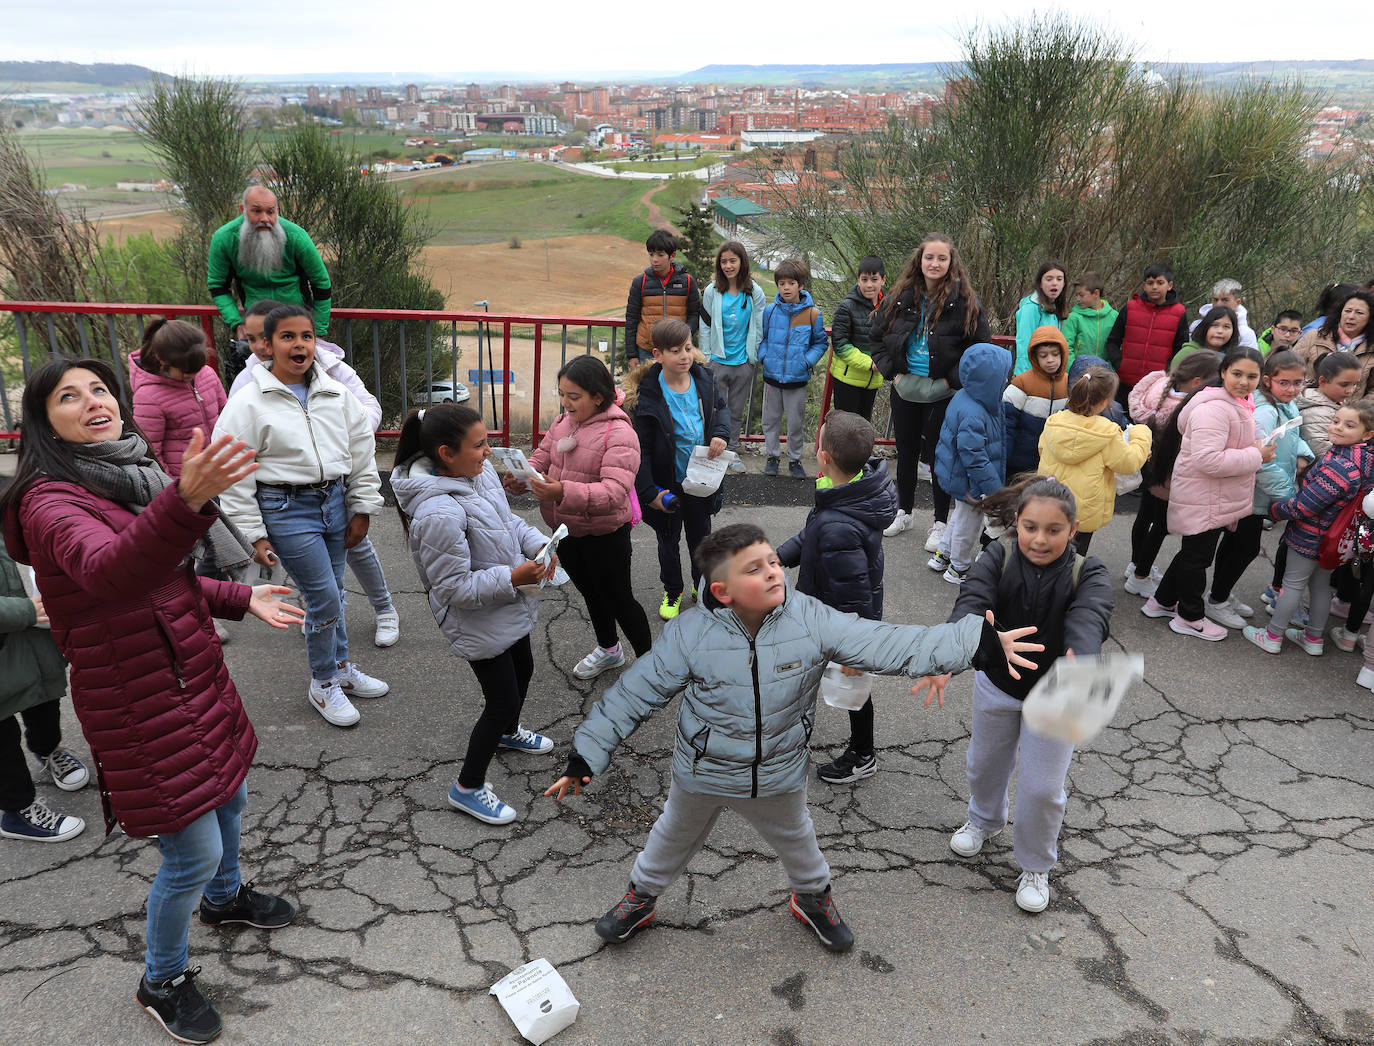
(315, 489)
(474, 556)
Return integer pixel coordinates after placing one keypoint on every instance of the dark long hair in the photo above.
(1060, 305)
(426, 430)
(1171, 439)
(172, 343)
(1215, 313)
(1333, 318)
(744, 279)
(591, 376)
(955, 283)
(42, 452)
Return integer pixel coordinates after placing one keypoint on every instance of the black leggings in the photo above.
(599, 565)
(505, 680)
(1236, 552)
(43, 733)
(853, 399)
(916, 428)
(861, 728)
(1148, 532)
(1186, 578)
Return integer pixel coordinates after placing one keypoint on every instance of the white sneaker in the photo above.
(1222, 614)
(354, 682)
(922, 471)
(1033, 891)
(1243, 609)
(598, 661)
(1155, 575)
(900, 523)
(937, 531)
(969, 840)
(388, 628)
(1140, 586)
(330, 702)
(1365, 678)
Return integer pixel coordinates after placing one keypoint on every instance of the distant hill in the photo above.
(892, 74)
(100, 74)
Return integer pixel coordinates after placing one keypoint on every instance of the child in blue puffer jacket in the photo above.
(793, 342)
(971, 459)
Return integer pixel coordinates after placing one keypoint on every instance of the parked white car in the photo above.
(445, 392)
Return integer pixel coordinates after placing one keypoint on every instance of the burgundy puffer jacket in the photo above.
(167, 410)
(169, 734)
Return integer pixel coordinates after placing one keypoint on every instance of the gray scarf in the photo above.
(124, 471)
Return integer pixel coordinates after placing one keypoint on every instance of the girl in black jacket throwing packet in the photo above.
(1039, 579)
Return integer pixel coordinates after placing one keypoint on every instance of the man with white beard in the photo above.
(270, 257)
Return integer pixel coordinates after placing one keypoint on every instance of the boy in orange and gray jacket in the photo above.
(664, 289)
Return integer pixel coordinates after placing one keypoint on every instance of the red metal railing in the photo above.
(486, 324)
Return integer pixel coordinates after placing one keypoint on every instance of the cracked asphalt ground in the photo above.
(1215, 886)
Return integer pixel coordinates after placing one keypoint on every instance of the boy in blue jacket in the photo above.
(747, 664)
(793, 342)
(971, 458)
(840, 552)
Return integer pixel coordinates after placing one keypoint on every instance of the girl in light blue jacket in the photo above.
(730, 331)
(474, 556)
(1281, 379)
(1046, 306)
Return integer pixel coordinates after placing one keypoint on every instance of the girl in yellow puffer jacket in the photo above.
(1086, 451)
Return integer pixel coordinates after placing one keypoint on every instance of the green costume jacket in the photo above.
(302, 280)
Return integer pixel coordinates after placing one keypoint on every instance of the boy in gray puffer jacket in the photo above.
(748, 662)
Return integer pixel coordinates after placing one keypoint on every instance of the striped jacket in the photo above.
(1342, 474)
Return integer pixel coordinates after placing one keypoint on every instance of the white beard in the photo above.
(262, 250)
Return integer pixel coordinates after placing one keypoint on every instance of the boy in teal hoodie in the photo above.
(1091, 320)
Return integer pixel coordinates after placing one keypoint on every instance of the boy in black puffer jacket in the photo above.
(840, 552)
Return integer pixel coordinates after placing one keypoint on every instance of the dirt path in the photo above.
(656, 218)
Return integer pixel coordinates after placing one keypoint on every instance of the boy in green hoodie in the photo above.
(1087, 326)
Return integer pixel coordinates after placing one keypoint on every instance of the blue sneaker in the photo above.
(527, 741)
(37, 824)
(481, 803)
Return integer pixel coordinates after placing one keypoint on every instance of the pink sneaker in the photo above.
(1154, 608)
(1199, 629)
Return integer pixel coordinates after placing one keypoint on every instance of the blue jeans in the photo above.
(307, 531)
(202, 858)
(367, 568)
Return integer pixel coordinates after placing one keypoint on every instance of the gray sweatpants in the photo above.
(997, 746)
(688, 817)
(776, 401)
(736, 382)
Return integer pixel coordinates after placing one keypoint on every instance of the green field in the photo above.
(688, 163)
(492, 202)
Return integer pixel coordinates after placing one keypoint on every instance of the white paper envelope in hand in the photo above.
(537, 999)
(1076, 699)
(1288, 426)
(705, 473)
(513, 458)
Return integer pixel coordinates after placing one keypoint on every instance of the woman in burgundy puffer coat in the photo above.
(111, 539)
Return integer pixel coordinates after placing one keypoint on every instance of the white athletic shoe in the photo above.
(969, 840)
(354, 682)
(388, 628)
(937, 531)
(1033, 892)
(329, 701)
(900, 523)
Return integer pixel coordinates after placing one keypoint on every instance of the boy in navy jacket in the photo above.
(840, 552)
(793, 342)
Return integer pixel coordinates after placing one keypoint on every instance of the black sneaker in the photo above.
(634, 911)
(250, 907)
(818, 911)
(179, 1007)
(770, 467)
(850, 766)
(796, 470)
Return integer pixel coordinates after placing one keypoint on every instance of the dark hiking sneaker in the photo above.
(38, 824)
(770, 467)
(818, 911)
(248, 906)
(634, 911)
(178, 1006)
(850, 766)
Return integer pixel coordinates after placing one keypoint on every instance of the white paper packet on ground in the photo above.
(537, 999)
(1076, 699)
(704, 473)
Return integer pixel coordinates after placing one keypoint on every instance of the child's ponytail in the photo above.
(1002, 507)
(428, 429)
(1092, 387)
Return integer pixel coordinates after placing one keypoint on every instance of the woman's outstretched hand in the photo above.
(208, 471)
(267, 607)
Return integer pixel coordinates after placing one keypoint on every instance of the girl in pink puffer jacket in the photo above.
(1153, 402)
(174, 391)
(1209, 456)
(589, 459)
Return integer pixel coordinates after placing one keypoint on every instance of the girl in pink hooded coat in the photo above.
(174, 392)
(1210, 455)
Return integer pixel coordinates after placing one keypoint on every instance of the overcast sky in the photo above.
(596, 39)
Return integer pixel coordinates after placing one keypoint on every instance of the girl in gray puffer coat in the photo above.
(474, 556)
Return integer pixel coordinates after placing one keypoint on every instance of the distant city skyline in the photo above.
(594, 41)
